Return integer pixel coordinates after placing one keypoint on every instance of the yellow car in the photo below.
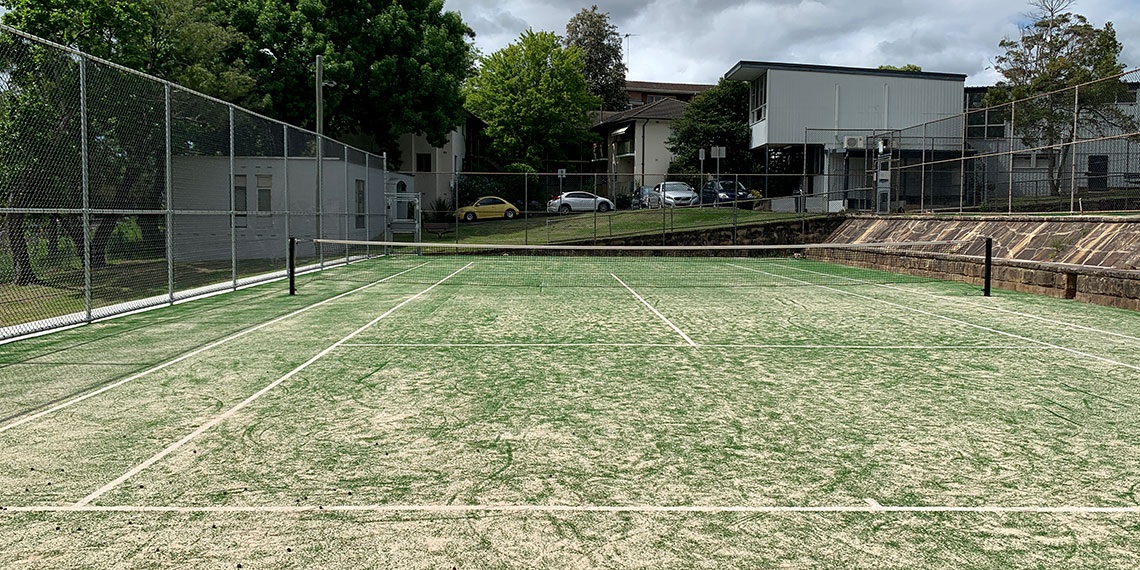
(487, 207)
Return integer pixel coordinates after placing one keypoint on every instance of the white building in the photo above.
(835, 117)
(633, 144)
(274, 198)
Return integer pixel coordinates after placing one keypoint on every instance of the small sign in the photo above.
(718, 152)
(562, 173)
(701, 154)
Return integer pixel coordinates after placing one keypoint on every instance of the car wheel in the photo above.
(469, 216)
(564, 209)
(509, 214)
(604, 207)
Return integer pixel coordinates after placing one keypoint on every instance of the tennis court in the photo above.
(490, 410)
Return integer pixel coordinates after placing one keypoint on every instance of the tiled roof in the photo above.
(679, 88)
(661, 109)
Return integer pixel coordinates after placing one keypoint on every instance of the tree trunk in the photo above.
(21, 261)
(100, 238)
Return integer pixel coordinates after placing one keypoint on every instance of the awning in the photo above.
(620, 131)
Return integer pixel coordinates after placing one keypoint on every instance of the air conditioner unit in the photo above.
(852, 142)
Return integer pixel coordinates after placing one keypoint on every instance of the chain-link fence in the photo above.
(1069, 151)
(540, 208)
(120, 191)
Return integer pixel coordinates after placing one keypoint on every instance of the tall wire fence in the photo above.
(1074, 150)
(120, 191)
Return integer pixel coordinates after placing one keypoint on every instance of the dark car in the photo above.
(726, 191)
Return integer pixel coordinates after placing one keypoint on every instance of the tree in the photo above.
(717, 117)
(533, 96)
(393, 66)
(592, 32)
(39, 147)
(909, 68)
(1054, 54)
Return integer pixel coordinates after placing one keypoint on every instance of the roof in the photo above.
(655, 87)
(749, 70)
(667, 109)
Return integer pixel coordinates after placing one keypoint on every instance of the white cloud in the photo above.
(697, 41)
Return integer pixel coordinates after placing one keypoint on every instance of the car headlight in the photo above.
(722, 196)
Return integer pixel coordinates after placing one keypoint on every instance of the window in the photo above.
(1127, 97)
(982, 122)
(241, 200)
(1023, 160)
(264, 193)
(361, 207)
(423, 162)
(654, 98)
(759, 98)
(489, 202)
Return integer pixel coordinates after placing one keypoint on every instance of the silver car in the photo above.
(676, 194)
(578, 201)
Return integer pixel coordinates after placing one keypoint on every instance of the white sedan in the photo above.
(578, 201)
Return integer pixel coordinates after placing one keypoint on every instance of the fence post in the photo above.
(86, 188)
(922, 185)
(169, 199)
(285, 176)
(1012, 127)
(233, 213)
(1073, 150)
(962, 165)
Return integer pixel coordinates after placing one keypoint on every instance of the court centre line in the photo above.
(192, 354)
(966, 302)
(951, 319)
(870, 506)
(655, 311)
(230, 412)
(676, 345)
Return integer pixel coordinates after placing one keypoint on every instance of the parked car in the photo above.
(640, 198)
(676, 194)
(578, 201)
(721, 191)
(487, 207)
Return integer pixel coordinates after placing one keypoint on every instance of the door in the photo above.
(1098, 172)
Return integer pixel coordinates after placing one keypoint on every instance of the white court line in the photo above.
(188, 355)
(677, 345)
(656, 312)
(230, 412)
(951, 319)
(966, 302)
(871, 507)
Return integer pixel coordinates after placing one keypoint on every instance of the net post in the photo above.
(291, 266)
(989, 266)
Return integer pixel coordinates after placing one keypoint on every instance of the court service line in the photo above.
(679, 345)
(951, 319)
(870, 506)
(655, 311)
(979, 305)
(240, 405)
(192, 354)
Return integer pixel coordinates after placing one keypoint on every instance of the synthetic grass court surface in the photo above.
(417, 424)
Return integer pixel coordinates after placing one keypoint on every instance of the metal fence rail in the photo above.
(120, 191)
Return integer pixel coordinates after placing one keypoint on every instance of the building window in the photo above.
(264, 193)
(759, 98)
(1127, 97)
(241, 200)
(361, 207)
(982, 122)
(423, 162)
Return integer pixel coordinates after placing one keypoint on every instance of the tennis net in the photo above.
(478, 265)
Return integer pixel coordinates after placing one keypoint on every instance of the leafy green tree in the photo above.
(393, 66)
(534, 98)
(1058, 51)
(592, 32)
(909, 68)
(717, 117)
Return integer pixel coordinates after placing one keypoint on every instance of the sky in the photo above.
(698, 41)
